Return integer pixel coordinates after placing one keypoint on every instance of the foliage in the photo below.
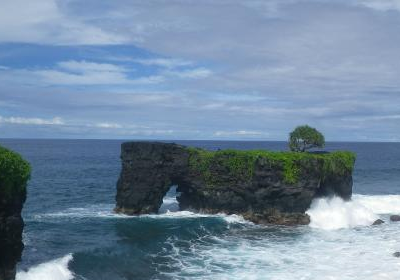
(14, 172)
(241, 164)
(305, 137)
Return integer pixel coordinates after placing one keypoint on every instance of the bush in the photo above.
(304, 138)
(14, 172)
(241, 164)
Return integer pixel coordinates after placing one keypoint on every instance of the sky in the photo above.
(204, 69)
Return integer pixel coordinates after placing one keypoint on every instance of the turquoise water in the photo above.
(72, 233)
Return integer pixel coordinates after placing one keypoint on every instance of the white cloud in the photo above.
(240, 133)
(88, 67)
(381, 5)
(164, 62)
(70, 73)
(31, 121)
(83, 72)
(270, 64)
(197, 73)
(55, 77)
(372, 118)
(108, 125)
(3, 67)
(46, 21)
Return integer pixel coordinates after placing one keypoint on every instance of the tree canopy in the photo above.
(304, 138)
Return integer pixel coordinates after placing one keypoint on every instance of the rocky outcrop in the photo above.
(14, 173)
(263, 186)
(378, 222)
(395, 218)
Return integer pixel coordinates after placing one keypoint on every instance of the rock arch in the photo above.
(263, 195)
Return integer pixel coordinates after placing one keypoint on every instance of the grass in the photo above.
(241, 164)
(14, 172)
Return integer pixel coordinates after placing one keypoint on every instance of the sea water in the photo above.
(72, 233)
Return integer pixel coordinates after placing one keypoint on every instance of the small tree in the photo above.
(305, 137)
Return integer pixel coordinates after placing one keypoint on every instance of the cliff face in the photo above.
(14, 173)
(265, 187)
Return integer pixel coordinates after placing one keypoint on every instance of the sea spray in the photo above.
(334, 213)
(379, 204)
(52, 270)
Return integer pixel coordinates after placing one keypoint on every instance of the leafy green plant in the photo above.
(241, 164)
(14, 172)
(304, 138)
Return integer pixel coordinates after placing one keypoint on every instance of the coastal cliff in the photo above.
(265, 187)
(14, 174)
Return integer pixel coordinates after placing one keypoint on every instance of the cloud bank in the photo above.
(202, 69)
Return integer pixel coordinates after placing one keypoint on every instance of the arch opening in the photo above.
(170, 201)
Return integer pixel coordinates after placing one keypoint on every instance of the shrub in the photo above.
(304, 138)
(241, 164)
(14, 172)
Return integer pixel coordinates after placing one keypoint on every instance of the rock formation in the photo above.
(378, 222)
(14, 173)
(395, 218)
(263, 186)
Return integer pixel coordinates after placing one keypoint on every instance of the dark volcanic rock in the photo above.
(14, 174)
(11, 226)
(149, 169)
(378, 222)
(395, 218)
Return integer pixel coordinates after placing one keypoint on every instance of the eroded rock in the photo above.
(264, 188)
(378, 222)
(395, 218)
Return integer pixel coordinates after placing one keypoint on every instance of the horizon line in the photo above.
(171, 140)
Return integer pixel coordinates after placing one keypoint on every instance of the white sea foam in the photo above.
(105, 211)
(380, 204)
(365, 254)
(291, 253)
(52, 270)
(91, 211)
(325, 213)
(334, 213)
(362, 210)
(230, 219)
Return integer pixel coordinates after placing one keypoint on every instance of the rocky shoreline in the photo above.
(265, 187)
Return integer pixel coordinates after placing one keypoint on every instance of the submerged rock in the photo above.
(395, 218)
(263, 186)
(378, 222)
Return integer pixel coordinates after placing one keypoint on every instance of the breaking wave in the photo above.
(53, 270)
(106, 211)
(362, 210)
(379, 204)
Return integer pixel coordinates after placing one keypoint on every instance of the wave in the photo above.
(106, 211)
(91, 211)
(379, 204)
(334, 213)
(325, 213)
(233, 218)
(362, 210)
(53, 270)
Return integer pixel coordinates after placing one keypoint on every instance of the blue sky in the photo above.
(238, 70)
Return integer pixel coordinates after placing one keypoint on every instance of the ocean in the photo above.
(71, 231)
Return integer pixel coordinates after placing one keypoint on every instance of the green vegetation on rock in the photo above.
(14, 172)
(241, 164)
(304, 138)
